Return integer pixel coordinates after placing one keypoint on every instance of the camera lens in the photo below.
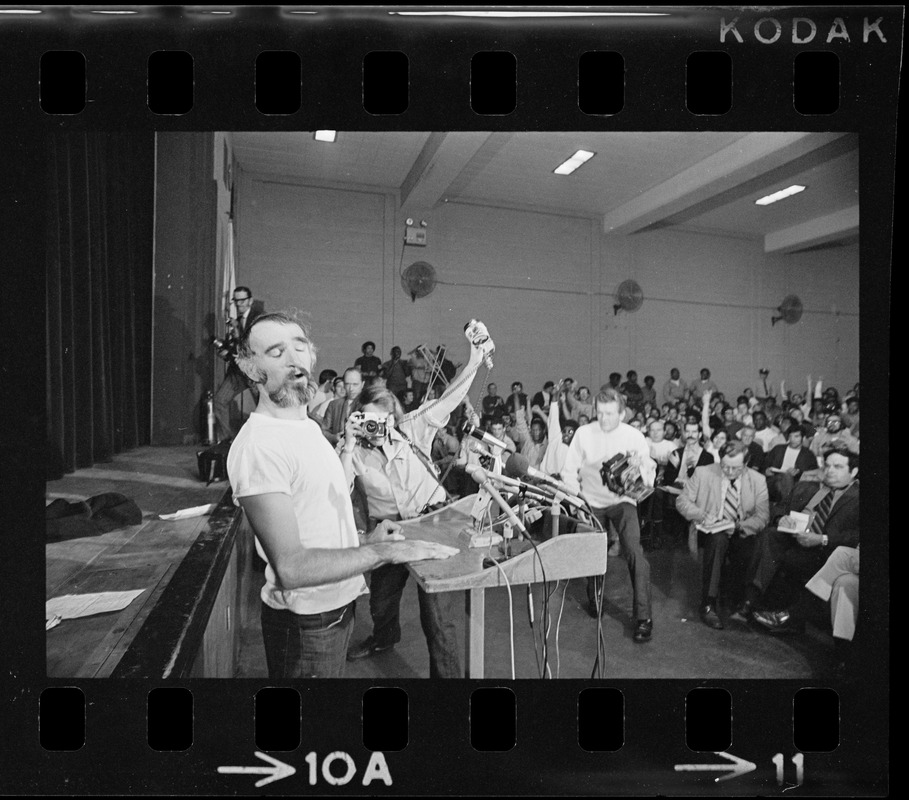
(371, 427)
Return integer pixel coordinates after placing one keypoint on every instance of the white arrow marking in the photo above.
(739, 766)
(275, 773)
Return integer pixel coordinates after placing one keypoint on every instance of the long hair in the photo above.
(379, 396)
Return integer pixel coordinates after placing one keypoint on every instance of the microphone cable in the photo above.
(558, 626)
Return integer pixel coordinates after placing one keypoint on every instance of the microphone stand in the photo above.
(522, 495)
(555, 512)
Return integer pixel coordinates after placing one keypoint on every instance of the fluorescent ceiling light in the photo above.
(325, 136)
(772, 198)
(569, 166)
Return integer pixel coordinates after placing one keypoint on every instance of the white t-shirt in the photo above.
(659, 451)
(590, 447)
(765, 438)
(293, 457)
(789, 458)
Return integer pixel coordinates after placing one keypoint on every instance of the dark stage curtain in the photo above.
(100, 204)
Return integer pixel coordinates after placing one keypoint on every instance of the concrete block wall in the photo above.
(544, 284)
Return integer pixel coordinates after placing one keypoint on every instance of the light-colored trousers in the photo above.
(838, 582)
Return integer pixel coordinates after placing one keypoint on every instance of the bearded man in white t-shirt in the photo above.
(291, 484)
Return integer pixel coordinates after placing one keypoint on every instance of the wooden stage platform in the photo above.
(180, 565)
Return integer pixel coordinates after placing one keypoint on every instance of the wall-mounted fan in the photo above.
(418, 280)
(790, 310)
(628, 297)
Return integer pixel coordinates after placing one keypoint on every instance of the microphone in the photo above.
(517, 466)
(481, 435)
(483, 479)
(515, 485)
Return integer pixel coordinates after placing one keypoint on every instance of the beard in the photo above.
(293, 393)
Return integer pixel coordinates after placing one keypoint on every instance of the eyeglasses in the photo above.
(241, 299)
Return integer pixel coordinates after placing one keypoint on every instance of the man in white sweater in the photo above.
(592, 445)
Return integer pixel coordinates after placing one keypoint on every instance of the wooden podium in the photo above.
(571, 555)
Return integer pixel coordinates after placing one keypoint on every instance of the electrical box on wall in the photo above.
(415, 235)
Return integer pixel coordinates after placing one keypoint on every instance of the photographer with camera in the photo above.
(387, 453)
(235, 382)
(591, 448)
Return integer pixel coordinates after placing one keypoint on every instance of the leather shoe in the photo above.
(369, 647)
(643, 630)
(777, 622)
(742, 613)
(710, 618)
(592, 609)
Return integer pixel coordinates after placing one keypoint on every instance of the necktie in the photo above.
(731, 503)
(821, 513)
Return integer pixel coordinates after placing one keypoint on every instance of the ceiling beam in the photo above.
(841, 224)
(747, 159)
(443, 158)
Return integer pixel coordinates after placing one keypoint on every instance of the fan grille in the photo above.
(628, 297)
(418, 280)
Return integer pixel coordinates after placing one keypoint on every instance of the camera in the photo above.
(476, 332)
(620, 477)
(373, 425)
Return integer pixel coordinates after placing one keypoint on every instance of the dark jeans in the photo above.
(624, 516)
(437, 614)
(307, 645)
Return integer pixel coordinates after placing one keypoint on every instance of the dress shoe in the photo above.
(369, 647)
(592, 609)
(643, 630)
(742, 613)
(778, 622)
(710, 618)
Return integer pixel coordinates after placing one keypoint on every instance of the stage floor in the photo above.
(159, 480)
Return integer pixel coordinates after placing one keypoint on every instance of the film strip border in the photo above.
(568, 738)
(257, 68)
(555, 745)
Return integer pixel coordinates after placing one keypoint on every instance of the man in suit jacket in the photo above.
(235, 381)
(335, 419)
(784, 561)
(728, 491)
(786, 463)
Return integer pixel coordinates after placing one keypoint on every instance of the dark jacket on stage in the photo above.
(842, 527)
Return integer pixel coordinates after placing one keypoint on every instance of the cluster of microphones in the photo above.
(517, 470)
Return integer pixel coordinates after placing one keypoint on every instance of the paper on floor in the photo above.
(70, 606)
(195, 511)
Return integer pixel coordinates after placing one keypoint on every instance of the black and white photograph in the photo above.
(612, 327)
(445, 400)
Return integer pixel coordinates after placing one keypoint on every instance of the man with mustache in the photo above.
(291, 484)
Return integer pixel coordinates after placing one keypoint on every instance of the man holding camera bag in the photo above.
(593, 446)
(387, 453)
